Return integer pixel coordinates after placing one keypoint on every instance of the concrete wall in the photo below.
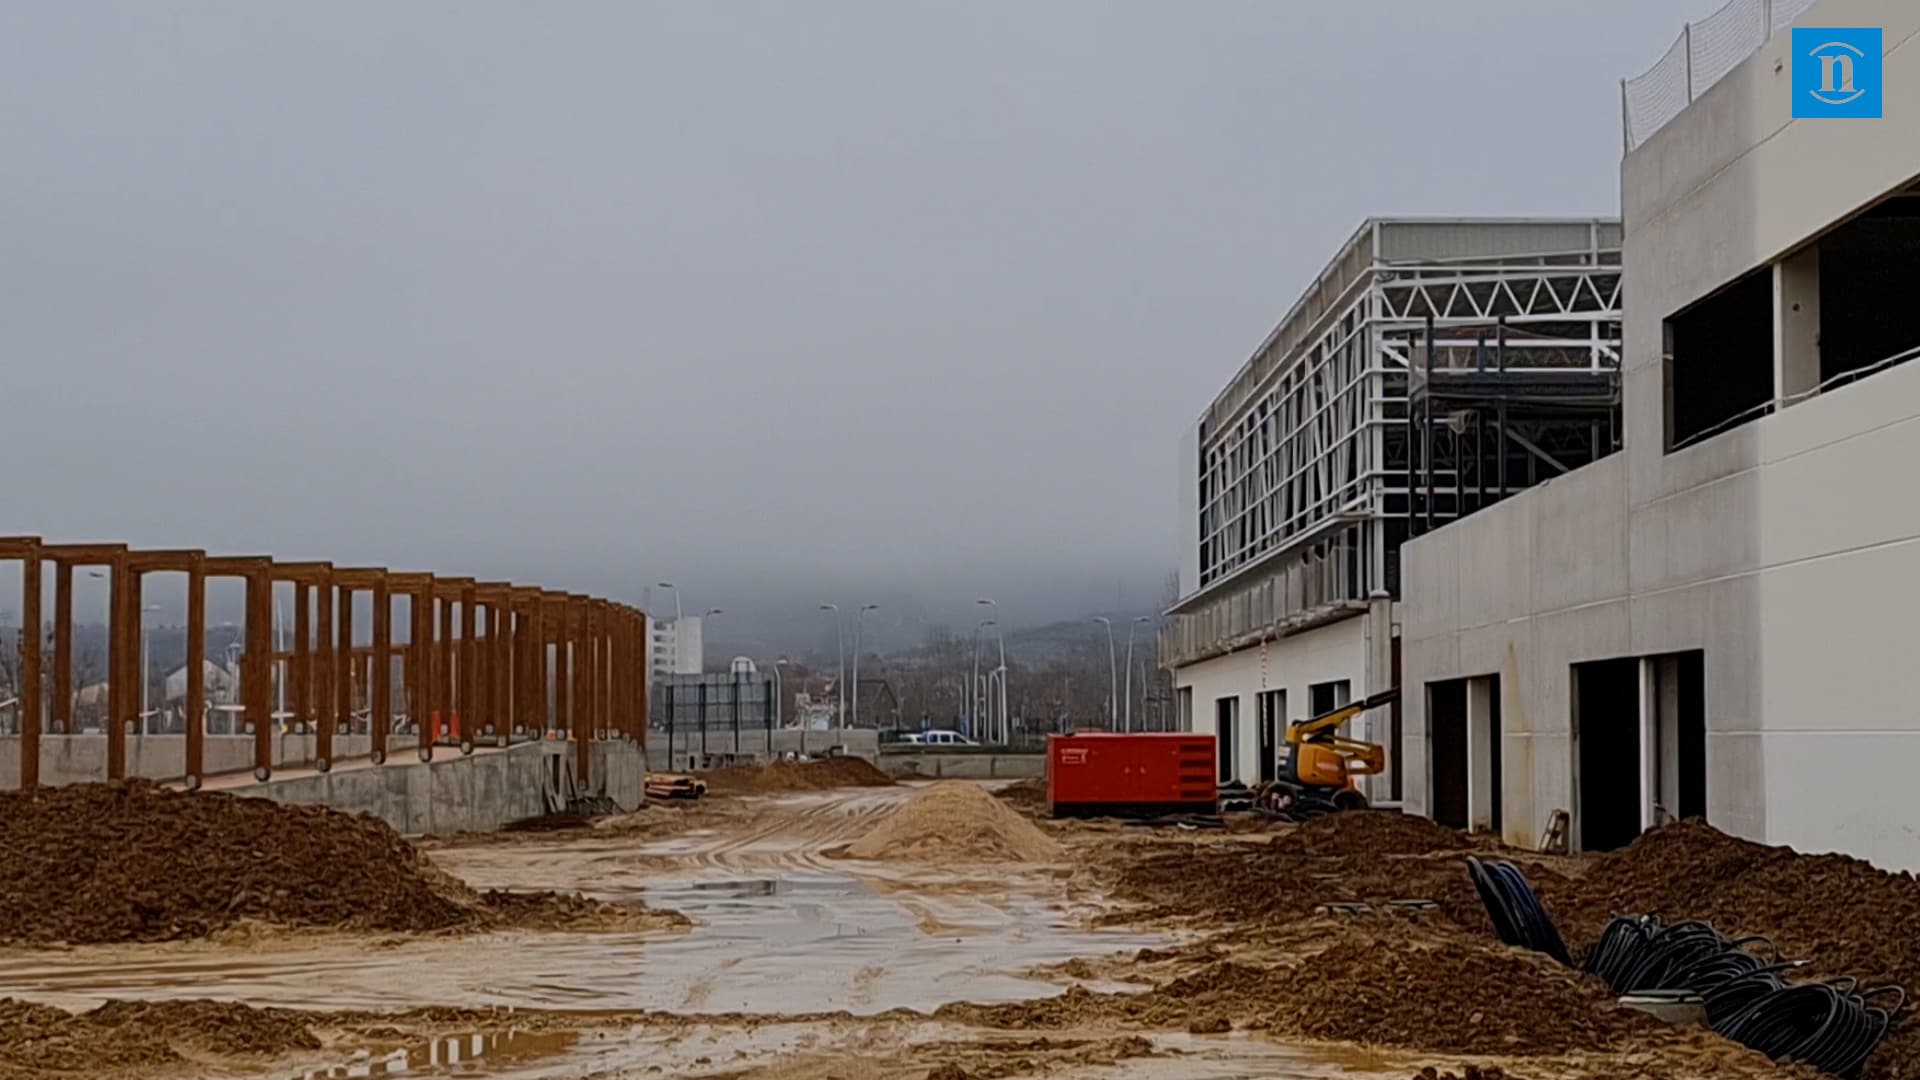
(1292, 664)
(853, 742)
(468, 794)
(80, 759)
(914, 765)
(1783, 548)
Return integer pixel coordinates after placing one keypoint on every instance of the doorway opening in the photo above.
(1447, 750)
(1272, 705)
(1226, 723)
(1606, 735)
(1680, 735)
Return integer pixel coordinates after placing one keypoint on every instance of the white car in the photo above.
(937, 738)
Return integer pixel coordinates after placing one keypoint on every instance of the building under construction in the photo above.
(1434, 367)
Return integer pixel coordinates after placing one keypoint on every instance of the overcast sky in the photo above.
(873, 295)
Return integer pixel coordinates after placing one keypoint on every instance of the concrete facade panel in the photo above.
(1430, 584)
(1578, 546)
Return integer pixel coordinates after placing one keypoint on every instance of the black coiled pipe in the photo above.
(1518, 917)
(1831, 1026)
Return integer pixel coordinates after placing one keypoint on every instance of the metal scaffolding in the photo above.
(1362, 410)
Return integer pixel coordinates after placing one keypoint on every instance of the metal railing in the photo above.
(482, 661)
(1701, 56)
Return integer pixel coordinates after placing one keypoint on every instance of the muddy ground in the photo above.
(738, 938)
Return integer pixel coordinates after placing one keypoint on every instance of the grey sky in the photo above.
(890, 294)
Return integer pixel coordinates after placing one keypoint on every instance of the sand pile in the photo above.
(777, 776)
(36, 1040)
(1842, 914)
(956, 821)
(100, 863)
(1369, 832)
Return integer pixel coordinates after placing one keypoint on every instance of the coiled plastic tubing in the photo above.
(1833, 1026)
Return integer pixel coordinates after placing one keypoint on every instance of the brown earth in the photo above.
(1370, 832)
(1028, 796)
(956, 821)
(778, 776)
(1384, 981)
(37, 1040)
(99, 863)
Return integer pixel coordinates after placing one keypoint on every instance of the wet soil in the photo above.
(1141, 955)
(37, 1040)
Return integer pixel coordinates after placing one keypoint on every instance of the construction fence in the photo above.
(1702, 55)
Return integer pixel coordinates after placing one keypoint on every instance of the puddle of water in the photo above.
(703, 1049)
(472, 1054)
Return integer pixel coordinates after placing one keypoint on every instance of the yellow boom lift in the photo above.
(1320, 765)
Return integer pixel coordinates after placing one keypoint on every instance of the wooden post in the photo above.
(257, 676)
(196, 689)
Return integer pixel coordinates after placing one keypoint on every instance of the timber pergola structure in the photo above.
(482, 663)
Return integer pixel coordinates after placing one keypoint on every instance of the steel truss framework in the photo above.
(1312, 475)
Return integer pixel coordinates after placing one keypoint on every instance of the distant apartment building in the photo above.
(1433, 368)
(677, 647)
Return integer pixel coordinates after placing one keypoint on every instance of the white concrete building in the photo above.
(677, 649)
(1304, 477)
(1718, 620)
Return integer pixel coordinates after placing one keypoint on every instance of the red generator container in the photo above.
(1109, 774)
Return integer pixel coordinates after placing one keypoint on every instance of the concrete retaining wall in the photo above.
(479, 793)
(962, 766)
(80, 759)
(686, 749)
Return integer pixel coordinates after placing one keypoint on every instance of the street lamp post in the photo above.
(978, 697)
(146, 667)
(1000, 635)
(779, 697)
(1137, 620)
(1113, 675)
(840, 673)
(857, 620)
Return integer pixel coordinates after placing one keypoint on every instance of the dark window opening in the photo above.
(1719, 366)
(1869, 269)
(1323, 698)
(1606, 734)
(1447, 743)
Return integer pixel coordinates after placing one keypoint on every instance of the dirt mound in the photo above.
(956, 821)
(1842, 914)
(36, 1040)
(777, 776)
(1263, 884)
(1391, 983)
(136, 862)
(1027, 796)
(99, 863)
(1455, 996)
(1369, 832)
